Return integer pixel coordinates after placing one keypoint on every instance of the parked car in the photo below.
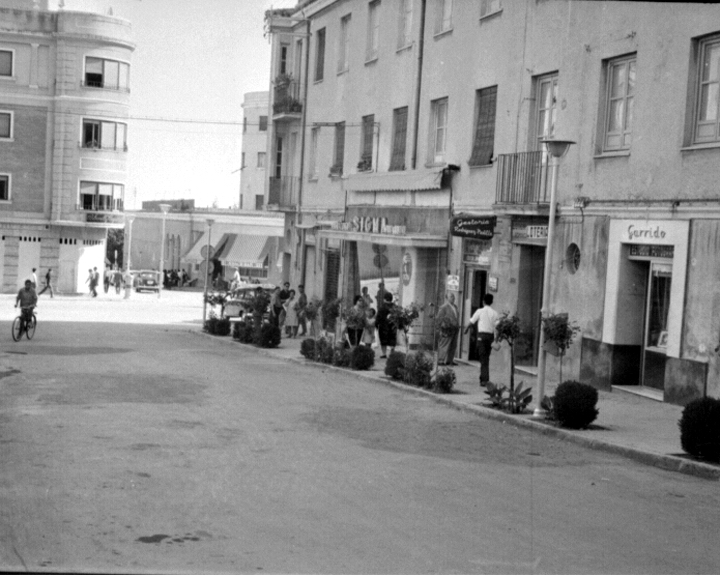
(238, 301)
(146, 280)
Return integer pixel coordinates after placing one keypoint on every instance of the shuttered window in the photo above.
(484, 140)
(368, 126)
(320, 55)
(339, 159)
(397, 161)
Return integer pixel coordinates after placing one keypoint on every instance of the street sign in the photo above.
(379, 249)
(380, 260)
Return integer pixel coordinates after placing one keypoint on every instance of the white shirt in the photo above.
(486, 319)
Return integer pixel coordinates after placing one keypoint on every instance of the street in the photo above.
(129, 443)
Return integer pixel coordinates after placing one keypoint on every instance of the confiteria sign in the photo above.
(369, 225)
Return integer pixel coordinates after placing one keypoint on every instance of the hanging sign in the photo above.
(473, 226)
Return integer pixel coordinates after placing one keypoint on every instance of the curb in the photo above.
(663, 461)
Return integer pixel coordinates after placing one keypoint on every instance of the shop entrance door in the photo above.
(529, 303)
(475, 286)
(655, 337)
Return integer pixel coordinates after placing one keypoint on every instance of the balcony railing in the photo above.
(522, 178)
(283, 192)
(95, 145)
(287, 101)
(104, 85)
(100, 204)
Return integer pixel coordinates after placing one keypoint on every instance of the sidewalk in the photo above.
(632, 426)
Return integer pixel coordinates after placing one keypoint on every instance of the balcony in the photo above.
(283, 193)
(522, 178)
(287, 103)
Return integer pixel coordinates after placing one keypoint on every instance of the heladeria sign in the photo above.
(473, 226)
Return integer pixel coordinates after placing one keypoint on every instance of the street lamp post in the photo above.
(165, 209)
(129, 218)
(210, 222)
(556, 149)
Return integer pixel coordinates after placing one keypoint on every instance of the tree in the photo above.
(115, 242)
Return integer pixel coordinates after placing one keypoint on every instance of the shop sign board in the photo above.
(473, 226)
(648, 232)
(531, 232)
(97, 217)
(370, 225)
(652, 250)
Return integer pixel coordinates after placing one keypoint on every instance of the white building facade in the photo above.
(254, 151)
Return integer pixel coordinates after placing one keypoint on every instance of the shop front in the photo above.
(405, 249)
(645, 293)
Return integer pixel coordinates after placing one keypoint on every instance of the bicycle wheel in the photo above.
(17, 329)
(30, 328)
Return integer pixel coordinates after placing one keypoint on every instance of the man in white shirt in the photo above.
(486, 319)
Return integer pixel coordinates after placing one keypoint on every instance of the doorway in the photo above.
(475, 287)
(529, 303)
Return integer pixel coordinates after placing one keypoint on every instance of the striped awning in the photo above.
(223, 246)
(247, 251)
(413, 180)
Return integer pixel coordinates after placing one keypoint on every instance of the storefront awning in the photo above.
(223, 246)
(407, 240)
(413, 180)
(195, 254)
(247, 251)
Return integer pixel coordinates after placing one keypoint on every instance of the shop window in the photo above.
(484, 138)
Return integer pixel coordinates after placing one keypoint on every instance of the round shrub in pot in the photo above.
(574, 404)
(700, 429)
(362, 358)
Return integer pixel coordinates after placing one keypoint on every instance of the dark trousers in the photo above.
(484, 343)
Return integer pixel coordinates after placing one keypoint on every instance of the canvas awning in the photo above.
(413, 180)
(195, 254)
(247, 251)
(223, 246)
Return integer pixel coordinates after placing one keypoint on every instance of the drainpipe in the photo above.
(302, 150)
(418, 86)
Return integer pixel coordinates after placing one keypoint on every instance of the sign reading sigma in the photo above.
(370, 225)
(644, 232)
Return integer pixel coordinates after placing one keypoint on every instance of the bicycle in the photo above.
(26, 322)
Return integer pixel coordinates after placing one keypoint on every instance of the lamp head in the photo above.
(165, 208)
(129, 218)
(557, 148)
(210, 222)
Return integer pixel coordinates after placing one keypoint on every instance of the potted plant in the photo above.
(559, 334)
(508, 330)
(403, 318)
(330, 313)
(355, 322)
(312, 311)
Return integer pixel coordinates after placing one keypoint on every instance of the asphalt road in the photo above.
(130, 444)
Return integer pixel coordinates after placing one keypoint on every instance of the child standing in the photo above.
(368, 337)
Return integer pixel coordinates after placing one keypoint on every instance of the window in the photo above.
(319, 55)
(443, 16)
(708, 92)
(259, 200)
(283, 65)
(263, 124)
(344, 45)
(366, 144)
(405, 23)
(339, 157)
(312, 169)
(242, 160)
(100, 73)
(244, 124)
(105, 135)
(488, 7)
(101, 196)
(298, 61)
(620, 80)
(438, 131)
(261, 160)
(399, 138)
(546, 88)
(6, 63)
(4, 187)
(278, 156)
(484, 137)
(373, 31)
(6, 124)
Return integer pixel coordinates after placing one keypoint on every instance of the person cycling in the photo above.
(27, 298)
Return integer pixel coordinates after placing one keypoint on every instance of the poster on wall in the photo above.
(406, 272)
(453, 283)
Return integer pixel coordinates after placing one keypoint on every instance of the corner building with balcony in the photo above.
(428, 116)
(64, 106)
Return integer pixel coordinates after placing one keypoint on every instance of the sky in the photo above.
(194, 60)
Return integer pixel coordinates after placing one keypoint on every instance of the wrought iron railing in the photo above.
(522, 178)
(287, 99)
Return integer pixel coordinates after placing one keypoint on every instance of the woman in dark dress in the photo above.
(387, 331)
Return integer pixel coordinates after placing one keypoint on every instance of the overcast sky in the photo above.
(194, 60)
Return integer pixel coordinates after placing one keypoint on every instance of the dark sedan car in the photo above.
(147, 280)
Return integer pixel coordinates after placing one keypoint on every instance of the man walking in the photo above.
(302, 306)
(486, 319)
(48, 283)
(33, 279)
(448, 325)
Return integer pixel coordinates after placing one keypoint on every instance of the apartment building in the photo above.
(64, 104)
(416, 134)
(254, 151)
